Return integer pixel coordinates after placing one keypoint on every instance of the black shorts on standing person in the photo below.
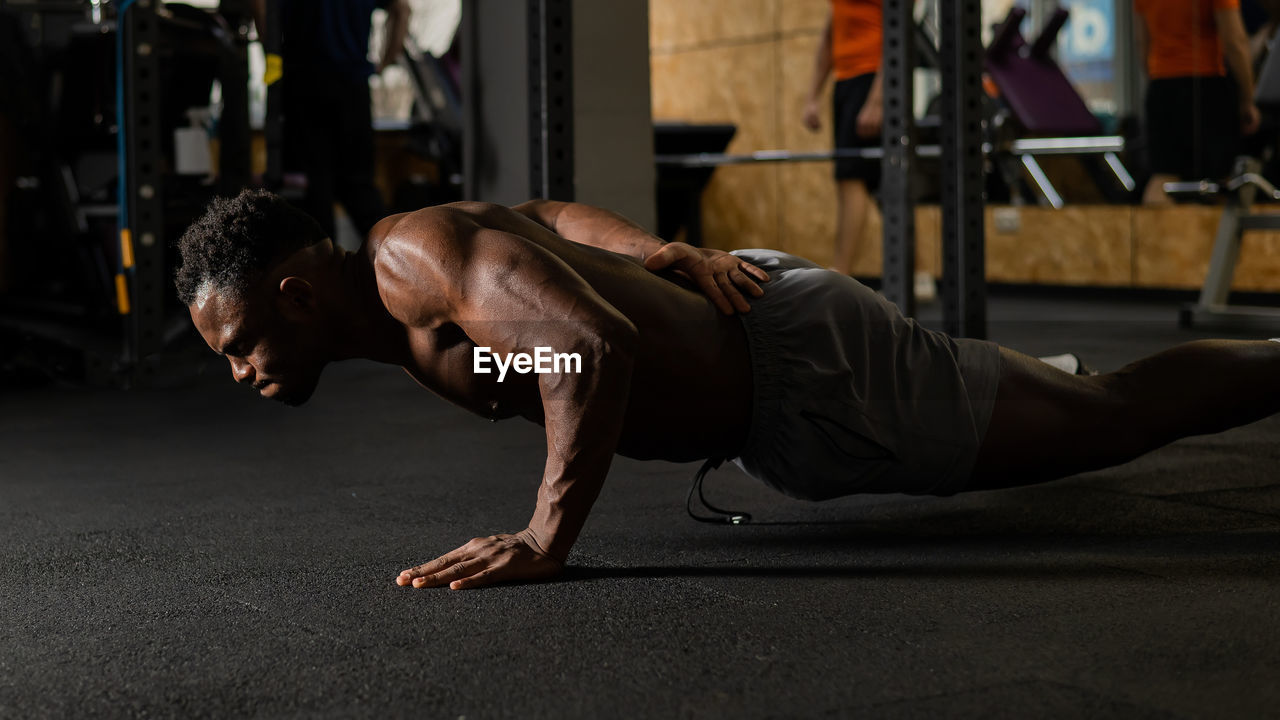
(850, 95)
(1199, 100)
(328, 124)
(1197, 134)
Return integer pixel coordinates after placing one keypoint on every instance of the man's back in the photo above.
(690, 387)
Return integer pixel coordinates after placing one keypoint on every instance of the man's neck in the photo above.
(362, 326)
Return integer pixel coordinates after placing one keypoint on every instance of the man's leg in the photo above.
(1047, 424)
(853, 203)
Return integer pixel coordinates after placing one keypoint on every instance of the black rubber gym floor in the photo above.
(198, 552)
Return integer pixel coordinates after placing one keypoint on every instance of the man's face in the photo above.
(265, 349)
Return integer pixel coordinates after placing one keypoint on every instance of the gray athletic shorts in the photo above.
(852, 397)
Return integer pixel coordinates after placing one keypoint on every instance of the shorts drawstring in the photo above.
(732, 517)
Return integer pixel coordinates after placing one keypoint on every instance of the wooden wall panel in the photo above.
(734, 84)
(745, 203)
(1259, 267)
(804, 15)
(1172, 245)
(683, 24)
(1078, 245)
(726, 84)
(807, 207)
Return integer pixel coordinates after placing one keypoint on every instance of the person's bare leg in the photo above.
(853, 204)
(1047, 424)
(1154, 194)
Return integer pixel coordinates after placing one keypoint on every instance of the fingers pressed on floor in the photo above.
(484, 577)
(438, 565)
(430, 568)
(453, 572)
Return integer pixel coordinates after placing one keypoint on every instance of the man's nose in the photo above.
(241, 371)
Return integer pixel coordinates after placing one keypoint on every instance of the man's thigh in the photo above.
(1047, 424)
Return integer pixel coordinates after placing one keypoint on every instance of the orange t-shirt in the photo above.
(856, 27)
(1183, 37)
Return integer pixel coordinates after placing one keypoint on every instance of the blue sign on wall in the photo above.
(1087, 43)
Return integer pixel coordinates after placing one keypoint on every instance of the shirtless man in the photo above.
(818, 387)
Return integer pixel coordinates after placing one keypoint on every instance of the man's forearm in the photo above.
(588, 225)
(583, 415)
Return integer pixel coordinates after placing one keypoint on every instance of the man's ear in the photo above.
(297, 297)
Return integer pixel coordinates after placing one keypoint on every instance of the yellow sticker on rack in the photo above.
(274, 71)
(126, 248)
(122, 294)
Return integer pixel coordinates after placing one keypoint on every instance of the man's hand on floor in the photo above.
(485, 561)
(721, 276)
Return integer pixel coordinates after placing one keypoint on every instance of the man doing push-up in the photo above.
(817, 386)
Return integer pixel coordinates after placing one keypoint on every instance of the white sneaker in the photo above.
(1069, 363)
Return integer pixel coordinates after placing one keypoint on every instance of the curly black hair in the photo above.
(238, 239)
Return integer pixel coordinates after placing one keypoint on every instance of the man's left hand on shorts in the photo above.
(723, 277)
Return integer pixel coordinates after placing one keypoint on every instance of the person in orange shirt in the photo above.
(851, 46)
(1195, 114)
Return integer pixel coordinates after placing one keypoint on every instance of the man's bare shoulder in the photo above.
(429, 227)
(409, 253)
(421, 259)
